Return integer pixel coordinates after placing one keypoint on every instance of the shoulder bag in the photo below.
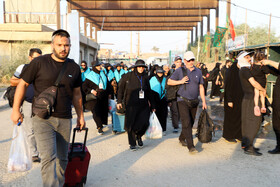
(43, 105)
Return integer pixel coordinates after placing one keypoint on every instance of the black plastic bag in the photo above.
(205, 127)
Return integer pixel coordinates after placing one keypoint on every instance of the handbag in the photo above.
(43, 105)
(90, 97)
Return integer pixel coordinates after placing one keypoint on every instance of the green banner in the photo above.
(207, 40)
(219, 34)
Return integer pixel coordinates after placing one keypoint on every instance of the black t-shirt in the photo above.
(248, 89)
(43, 72)
(259, 73)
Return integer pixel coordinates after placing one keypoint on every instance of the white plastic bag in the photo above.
(112, 105)
(154, 131)
(20, 157)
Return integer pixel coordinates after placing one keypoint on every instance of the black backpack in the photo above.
(171, 91)
(205, 128)
(10, 93)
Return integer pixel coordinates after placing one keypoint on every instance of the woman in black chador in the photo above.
(215, 89)
(97, 84)
(135, 93)
(232, 105)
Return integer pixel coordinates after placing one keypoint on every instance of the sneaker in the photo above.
(257, 111)
(132, 148)
(184, 143)
(252, 152)
(140, 142)
(100, 131)
(36, 159)
(193, 150)
(164, 133)
(175, 131)
(231, 140)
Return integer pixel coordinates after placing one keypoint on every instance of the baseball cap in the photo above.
(189, 56)
(177, 58)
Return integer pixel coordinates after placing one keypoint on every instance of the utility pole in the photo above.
(130, 47)
(268, 39)
(228, 15)
(246, 36)
(138, 46)
(58, 14)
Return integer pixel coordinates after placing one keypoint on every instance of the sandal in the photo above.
(257, 111)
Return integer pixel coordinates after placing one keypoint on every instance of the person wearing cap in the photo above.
(157, 84)
(250, 123)
(275, 70)
(191, 86)
(96, 83)
(53, 134)
(135, 94)
(175, 117)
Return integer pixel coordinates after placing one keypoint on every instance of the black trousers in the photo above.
(175, 116)
(132, 136)
(162, 112)
(276, 120)
(187, 117)
(250, 124)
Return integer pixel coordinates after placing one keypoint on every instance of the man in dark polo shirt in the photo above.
(191, 81)
(53, 134)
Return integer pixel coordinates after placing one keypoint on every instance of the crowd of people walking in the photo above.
(140, 90)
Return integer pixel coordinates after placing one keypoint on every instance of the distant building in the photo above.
(29, 21)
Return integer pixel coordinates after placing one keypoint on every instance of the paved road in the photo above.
(161, 162)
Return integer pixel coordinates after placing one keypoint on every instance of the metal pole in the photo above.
(268, 39)
(58, 14)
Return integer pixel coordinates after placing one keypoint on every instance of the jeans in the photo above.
(52, 137)
(187, 118)
(28, 127)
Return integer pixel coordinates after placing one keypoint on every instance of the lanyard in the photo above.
(140, 80)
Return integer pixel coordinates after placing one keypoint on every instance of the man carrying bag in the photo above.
(191, 86)
(53, 133)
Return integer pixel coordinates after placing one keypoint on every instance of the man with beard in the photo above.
(53, 134)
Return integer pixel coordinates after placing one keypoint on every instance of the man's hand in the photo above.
(204, 106)
(119, 106)
(16, 116)
(81, 123)
(230, 104)
(185, 80)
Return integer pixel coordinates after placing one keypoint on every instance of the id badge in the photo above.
(141, 94)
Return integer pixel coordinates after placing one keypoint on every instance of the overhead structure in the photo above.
(144, 15)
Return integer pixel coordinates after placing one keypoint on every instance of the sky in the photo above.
(177, 40)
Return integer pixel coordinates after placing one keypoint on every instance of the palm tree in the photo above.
(155, 49)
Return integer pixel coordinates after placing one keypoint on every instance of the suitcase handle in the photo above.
(73, 139)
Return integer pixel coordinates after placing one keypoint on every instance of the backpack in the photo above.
(205, 128)
(11, 90)
(171, 91)
(9, 94)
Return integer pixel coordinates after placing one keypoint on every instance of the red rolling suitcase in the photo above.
(78, 162)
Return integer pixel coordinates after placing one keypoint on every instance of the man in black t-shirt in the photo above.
(53, 134)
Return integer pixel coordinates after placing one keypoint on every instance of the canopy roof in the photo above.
(144, 15)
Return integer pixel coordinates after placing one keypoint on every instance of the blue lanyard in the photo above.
(139, 80)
